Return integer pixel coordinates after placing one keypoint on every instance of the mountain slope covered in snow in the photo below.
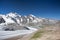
(22, 20)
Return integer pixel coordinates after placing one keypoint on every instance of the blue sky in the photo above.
(42, 8)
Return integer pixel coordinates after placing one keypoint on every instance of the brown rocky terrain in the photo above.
(48, 33)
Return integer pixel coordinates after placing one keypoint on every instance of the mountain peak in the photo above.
(32, 15)
(11, 14)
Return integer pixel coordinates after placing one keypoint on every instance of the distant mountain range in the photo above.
(21, 20)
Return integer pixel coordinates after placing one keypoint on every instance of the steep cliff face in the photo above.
(2, 20)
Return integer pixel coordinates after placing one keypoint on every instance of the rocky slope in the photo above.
(47, 33)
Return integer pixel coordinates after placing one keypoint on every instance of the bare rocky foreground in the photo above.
(49, 33)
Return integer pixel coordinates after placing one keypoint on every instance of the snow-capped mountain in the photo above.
(5, 20)
(18, 19)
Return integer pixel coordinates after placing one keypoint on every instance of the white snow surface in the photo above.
(10, 34)
(11, 14)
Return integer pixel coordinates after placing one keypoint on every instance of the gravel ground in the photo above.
(51, 33)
